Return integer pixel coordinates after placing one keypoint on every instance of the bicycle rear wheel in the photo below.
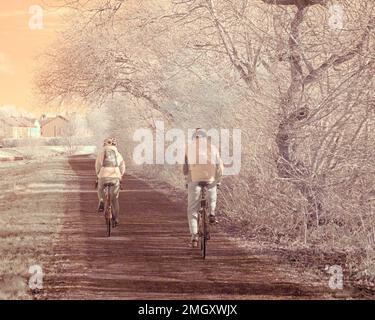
(109, 226)
(108, 220)
(204, 235)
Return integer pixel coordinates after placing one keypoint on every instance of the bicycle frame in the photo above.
(108, 209)
(203, 225)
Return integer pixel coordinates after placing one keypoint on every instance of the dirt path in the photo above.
(148, 256)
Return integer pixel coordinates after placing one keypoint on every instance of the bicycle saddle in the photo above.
(203, 184)
(109, 184)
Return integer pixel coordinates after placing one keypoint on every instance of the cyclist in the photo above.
(110, 167)
(202, 164)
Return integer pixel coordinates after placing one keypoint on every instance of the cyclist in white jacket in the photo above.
(110, 168)
(202, 164)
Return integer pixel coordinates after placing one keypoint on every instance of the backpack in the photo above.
(110, 158)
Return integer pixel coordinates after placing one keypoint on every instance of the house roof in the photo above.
(18, 122)
(9, 122)
(47, 120)
(25, 122)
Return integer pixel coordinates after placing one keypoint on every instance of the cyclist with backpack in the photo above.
(110, 168)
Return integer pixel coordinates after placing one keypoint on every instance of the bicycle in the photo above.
(203, 224)
(108, 207)
(110, 223)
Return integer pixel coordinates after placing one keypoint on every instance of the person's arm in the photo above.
(185, 168)
(121, 164)
(98, 163)
(219, 167)
(186, 172)
(122, 167)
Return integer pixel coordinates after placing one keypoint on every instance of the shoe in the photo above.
(212, 219)
(194, 243)
(101, 206)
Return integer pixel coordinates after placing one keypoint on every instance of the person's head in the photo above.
(199, 133)
(110, 142)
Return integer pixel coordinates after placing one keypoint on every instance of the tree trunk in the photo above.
(292, 105)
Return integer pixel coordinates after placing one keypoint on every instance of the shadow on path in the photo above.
(148, 255)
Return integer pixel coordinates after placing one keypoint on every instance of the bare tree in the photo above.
(300, 88)
(90, 63)
(294, 37)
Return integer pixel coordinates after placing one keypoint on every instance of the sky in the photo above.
(21, 41)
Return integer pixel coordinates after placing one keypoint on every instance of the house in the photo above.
(8, 128)
(35, 130)
(54, 127)
(30, 128)
(19, 127)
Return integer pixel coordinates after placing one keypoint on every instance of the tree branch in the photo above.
(298, 3)
(336, 60)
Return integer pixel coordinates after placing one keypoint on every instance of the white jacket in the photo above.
(203, 163)
(109, 172)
